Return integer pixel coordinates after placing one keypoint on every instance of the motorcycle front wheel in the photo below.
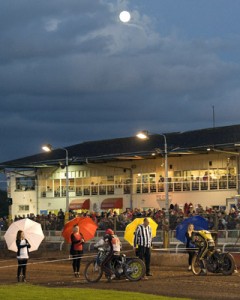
(93, 272)
(196, 265)
(135, 269)
(228, 264)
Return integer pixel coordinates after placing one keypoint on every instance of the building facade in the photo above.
(209, 179)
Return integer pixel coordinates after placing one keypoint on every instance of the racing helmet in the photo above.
(109, 231)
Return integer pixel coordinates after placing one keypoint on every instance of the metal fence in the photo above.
(226, 239)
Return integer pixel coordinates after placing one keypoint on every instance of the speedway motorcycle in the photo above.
(122, 266)
(214, 260)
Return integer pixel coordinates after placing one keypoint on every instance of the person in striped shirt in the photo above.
(143, 243)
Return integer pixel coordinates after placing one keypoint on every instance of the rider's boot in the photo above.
(203, 272)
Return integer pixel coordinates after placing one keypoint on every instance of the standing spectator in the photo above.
(76, 249)
(61, 215)
(186, 209)
(2, 224)
(142, 244)
(210, 223)
(22, 255)
(60, 219)
(190, 245)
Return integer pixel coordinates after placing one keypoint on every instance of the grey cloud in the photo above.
(24, 27)
(70, 71)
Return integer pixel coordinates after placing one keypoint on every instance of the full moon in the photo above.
(125, 16)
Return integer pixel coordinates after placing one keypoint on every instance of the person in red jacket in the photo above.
(76, 249)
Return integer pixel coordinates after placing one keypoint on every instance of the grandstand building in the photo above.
(203, 168)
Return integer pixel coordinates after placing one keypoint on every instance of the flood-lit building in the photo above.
(203, 168)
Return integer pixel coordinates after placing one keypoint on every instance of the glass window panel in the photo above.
(25, 183)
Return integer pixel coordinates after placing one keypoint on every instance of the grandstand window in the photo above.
(23, 207)
(25, 183)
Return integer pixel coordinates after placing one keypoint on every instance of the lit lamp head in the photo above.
(143, 135)
(47, 148)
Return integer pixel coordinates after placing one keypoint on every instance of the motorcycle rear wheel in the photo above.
(93, 272)
(135, 269)
(228, 264)
(196, 265)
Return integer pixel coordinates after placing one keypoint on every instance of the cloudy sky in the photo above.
(71, 72)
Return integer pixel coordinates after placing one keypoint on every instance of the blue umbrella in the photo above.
(198, 222)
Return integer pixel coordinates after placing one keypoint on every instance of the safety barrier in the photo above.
(225, 239)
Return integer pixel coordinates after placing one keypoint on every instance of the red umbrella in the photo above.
(86, 227)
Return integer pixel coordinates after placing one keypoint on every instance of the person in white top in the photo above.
(114, 245)
(22, 255)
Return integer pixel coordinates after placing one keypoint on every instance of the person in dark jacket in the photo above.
(189, 244)
(22, 255)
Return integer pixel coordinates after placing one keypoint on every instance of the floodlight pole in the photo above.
(145, 135)
(67, 185)
(49, 148)
(167, 220)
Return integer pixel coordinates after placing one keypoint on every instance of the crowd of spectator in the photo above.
(217, 219)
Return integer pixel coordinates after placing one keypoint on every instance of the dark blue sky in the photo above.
(70, 71)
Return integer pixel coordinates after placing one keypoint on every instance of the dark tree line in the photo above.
(3, 203)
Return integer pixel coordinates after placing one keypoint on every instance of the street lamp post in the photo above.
(166, 221)
(49, 148)
(145, 135)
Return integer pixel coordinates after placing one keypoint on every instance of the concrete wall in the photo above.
(167, 259)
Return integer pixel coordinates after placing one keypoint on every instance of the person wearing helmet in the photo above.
(109, 231)
(114, 247)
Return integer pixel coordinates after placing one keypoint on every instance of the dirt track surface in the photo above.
(168, 281)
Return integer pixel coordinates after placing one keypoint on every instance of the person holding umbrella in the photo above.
(186, 232)
(76, 251)
(189, 244)
(22, 255)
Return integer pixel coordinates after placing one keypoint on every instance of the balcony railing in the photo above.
(174, 185)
